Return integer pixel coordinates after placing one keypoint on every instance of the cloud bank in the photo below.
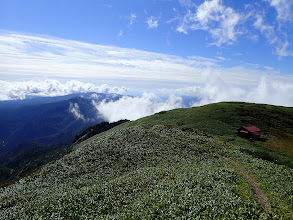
(133, 108)
(11, 90)
(27, 56)
(267, 90)
(213, 91)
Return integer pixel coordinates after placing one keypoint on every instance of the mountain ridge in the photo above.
(160, 166)
(40, 126)
(49, 123)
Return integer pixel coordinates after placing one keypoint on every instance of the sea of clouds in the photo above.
(11, 90)
(266, 91)
(133, 108)
(214, 89)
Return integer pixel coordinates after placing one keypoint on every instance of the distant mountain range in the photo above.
(37, 100)
(46, 121)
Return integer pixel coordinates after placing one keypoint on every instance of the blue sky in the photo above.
(185, 47)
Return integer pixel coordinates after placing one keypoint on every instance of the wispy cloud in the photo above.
(272, 32)
(222, 58)
(11, 90)
(186, 3)
(284, 9)
(74, 109)
(267, 30)
(152, 22)
(238, 54)
(120, 34)
(190, 91)
(274, 29)
(25, 56)
(226, 25)
(283, 48)
(132, 19)
(35, 56)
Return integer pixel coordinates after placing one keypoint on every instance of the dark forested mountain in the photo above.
(35, 156)
(96, 129)
(35, 100)
(24, 123)
(38, 130)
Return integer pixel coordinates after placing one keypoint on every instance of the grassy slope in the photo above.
(139, 170)
(223, 120)
(36, 156)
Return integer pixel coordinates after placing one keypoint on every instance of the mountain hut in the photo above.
(252, 133)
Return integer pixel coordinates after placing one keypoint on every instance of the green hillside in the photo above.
(170, 165)
(223, 120)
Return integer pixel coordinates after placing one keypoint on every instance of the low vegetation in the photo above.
(96, 129)
(35, 155)
(223, 119)
(29, 161)
(144, 170)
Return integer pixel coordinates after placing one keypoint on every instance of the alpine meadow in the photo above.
(175, 164)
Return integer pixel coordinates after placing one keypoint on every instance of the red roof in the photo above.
(253, 129)
(256, 133)
(242, 131)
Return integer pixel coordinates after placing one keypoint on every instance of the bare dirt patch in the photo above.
(258, 193)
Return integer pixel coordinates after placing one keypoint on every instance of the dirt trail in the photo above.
(258, 193)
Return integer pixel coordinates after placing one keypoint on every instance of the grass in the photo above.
(223, 120)
(169, 165)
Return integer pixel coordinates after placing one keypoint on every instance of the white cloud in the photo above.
(25, 57)
(33, 56)
(284, 9)
(282, 48)
(222, 58)
(267, 90)
(192, 90)
(238, 54)
(133, 108)
(203, 61)
(213, 89)
(185, 3)
(74, 109)
(267, 30)
(11, 90)
(132, 19)
(275, 29)
(152, 22)
(212, 16)
(120, 34)
(225, 25)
